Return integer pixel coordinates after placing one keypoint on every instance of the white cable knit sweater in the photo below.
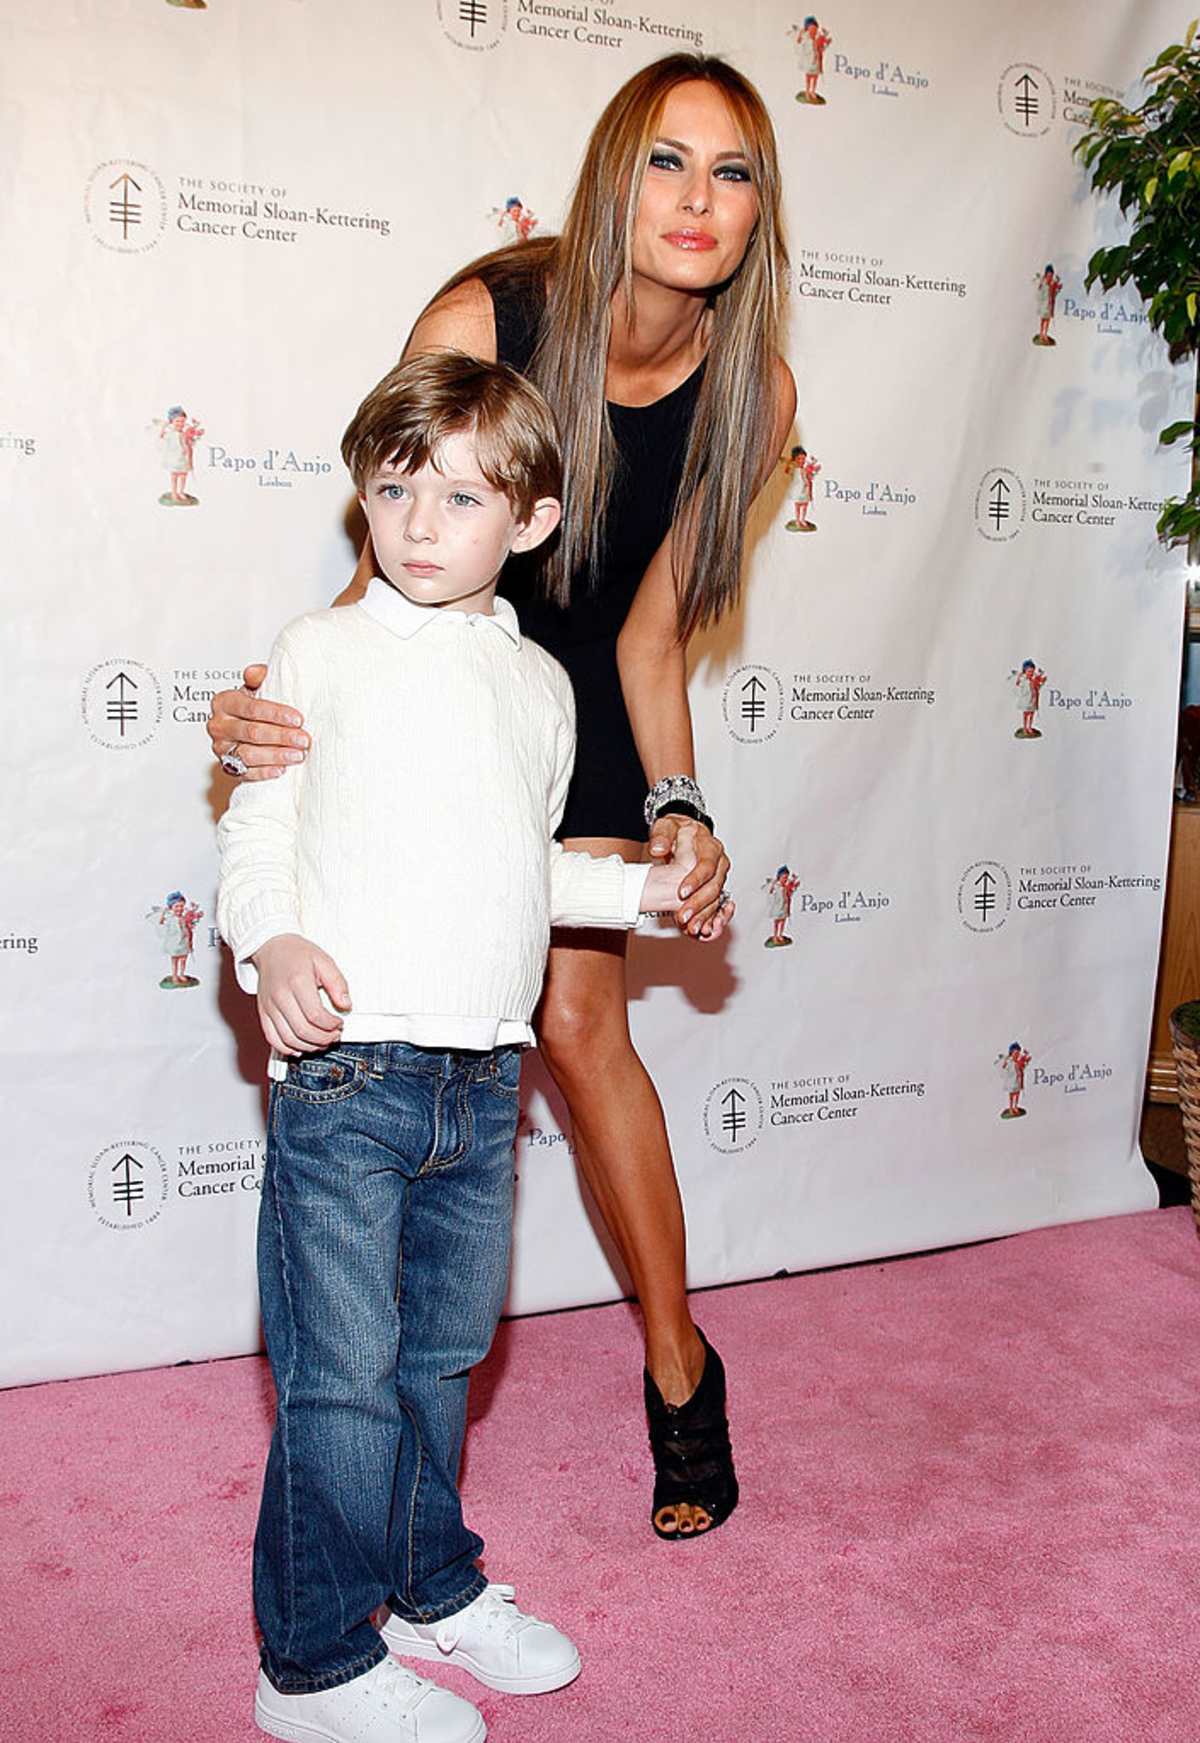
(415, 843)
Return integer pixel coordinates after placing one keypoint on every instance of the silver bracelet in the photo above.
(667, 791)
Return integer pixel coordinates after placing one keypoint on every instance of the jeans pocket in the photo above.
(324, 1077)
(504, 1079)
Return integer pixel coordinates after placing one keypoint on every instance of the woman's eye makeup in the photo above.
(662, 158)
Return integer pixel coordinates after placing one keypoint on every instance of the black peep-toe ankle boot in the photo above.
(693, 1460)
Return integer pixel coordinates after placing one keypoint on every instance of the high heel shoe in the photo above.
(693, 1460)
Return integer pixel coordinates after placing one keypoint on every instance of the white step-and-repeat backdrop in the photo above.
(938, 739)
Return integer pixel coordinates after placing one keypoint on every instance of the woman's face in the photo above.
(699, 204)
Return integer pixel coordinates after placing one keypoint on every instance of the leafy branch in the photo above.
(1150, 157)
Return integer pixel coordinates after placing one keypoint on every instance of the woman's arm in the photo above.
(462, 320)
(652, 660)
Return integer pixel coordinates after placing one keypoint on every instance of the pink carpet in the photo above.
(970, 1512)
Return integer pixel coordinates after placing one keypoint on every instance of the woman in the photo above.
(651, 325)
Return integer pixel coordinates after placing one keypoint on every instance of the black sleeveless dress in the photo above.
(609, 784)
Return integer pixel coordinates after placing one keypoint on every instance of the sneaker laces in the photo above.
(394, 1684)
(494, 1610)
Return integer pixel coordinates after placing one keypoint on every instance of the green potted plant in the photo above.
(1150, 158)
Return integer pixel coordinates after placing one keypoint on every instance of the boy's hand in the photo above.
(665, 884)
(291, 972)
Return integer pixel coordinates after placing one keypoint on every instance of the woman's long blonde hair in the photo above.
(730, 446)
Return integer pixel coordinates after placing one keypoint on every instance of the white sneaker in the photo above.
(387, 1704)
(491, 1638)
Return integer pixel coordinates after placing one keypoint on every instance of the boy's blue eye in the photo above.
(392, 492)
(460, 499)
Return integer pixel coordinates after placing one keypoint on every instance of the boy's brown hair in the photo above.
(405, 419)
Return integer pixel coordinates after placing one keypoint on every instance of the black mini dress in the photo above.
(609, 785)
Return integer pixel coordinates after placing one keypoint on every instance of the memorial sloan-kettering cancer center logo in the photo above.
(127, 1185)
(481, 24)
(1003, 505)
(1027, 100)
(1000, 504)
(477, 24)
(985, 896)
(733, 1115)
(125, 205)
(121, 704)
(752, 704)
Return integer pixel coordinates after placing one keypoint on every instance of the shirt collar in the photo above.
(388, 606)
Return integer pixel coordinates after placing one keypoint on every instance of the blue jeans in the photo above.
(383, 1253)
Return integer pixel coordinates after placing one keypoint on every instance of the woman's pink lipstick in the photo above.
(697, 240)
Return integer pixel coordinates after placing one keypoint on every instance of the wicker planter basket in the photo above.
(1185, 1042)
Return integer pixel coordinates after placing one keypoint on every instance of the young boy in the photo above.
(396, 971)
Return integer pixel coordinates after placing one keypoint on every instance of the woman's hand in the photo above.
(701, 889)
(266, 735)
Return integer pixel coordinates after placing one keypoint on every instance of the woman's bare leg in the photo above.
(621, 1142)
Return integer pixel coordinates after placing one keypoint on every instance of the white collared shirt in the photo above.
(404, 617)
(415, 844)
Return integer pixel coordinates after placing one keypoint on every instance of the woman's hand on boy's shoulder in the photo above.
(267, 736)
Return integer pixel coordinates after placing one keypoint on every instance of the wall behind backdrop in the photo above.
(930, 1022)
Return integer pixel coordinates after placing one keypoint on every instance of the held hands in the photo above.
(695, 866)
(291, 972)
(266, 735)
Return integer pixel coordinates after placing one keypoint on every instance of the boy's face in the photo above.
(441, 534)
